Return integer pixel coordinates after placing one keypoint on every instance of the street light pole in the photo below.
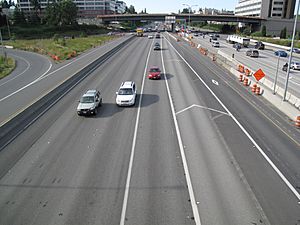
(291, 54)
(190, 8)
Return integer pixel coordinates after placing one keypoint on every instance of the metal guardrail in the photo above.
(13, 128)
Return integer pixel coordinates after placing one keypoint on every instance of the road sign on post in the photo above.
(259, 74)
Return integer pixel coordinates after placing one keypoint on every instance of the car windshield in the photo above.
(87, 99)
(156, 44)
(153, 70)
(125, 91)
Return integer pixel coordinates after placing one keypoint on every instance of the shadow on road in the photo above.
(108, 109)
(168, 76)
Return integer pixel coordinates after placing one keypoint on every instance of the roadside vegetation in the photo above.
(283, 39)
(60, 48)
(7, 65)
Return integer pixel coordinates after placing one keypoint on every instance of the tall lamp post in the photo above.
(190, 7)
(291, 54)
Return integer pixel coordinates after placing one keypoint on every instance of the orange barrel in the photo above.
(242, 69)
(253, 89)
(246, 82)
(257, 91)
(241, 78)
(247, 72)
(297, 122)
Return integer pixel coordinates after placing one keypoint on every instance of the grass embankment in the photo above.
(60, 48)
(6, 66)
(283, 42)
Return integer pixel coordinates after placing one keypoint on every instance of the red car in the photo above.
(154, 73)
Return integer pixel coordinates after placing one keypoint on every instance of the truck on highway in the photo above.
(139, 32)
(232, 39)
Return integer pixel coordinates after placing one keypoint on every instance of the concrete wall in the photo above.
(274, 26)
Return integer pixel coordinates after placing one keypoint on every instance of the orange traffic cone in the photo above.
(297, 122)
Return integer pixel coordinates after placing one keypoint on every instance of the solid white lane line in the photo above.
(280, 174)
(127, 187)
(183, 157)
(28, 66)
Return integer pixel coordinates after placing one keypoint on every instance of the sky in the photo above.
(168, 6)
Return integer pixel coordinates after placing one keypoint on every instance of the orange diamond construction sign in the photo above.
(259, 74)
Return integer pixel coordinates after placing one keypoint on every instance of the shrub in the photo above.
(55, 38)
(257, 34)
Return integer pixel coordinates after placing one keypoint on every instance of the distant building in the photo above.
(86, 8)
(210, 11)
(120, 7)
(266, 8)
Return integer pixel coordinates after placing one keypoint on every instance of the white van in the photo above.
(215, 44)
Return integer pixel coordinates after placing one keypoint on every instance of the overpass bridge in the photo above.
(193, 18)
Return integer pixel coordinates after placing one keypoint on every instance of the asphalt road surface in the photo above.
(194, 149)
(267, 61)
(35, 76)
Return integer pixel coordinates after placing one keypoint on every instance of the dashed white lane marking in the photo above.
(202, 107)
(275, 168)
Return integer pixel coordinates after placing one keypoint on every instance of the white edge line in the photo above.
(183, 157)
(294, 191)
(28, 66)
(127, 187)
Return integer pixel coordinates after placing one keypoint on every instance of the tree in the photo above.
(68, 12)
(263, 31)
(34, 17)
(5, 4)
(18, 17)
(283, 33)
(130, 10)
(247, 31)
(61, 13)
(185, 11)
(52, 14)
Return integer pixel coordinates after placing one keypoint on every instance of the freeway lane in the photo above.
(268, 128)
(158, 192)
(222, 197)
(66, 169)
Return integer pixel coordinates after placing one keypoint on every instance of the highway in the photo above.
(36, 76)
(194, 149)
(267, 61)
